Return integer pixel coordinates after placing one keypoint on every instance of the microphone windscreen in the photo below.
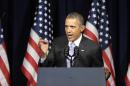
(76, 50)
(66, 51)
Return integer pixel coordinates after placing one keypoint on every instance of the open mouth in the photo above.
(70, 35)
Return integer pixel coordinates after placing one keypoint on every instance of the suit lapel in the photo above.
(83, 45)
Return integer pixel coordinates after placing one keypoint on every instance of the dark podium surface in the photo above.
(71, 77)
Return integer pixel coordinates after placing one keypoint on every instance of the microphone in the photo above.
(66, 52)
(76, 51)
(70, 57)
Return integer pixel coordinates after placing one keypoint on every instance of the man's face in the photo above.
(73, 29)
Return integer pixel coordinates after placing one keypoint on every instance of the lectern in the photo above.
(71, 77)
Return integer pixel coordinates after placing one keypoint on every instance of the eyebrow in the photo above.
(70, 26)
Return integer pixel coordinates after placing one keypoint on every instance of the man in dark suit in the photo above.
(84, 53)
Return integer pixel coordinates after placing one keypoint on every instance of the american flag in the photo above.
(97, 29)
(4, 65)
(127, 78)
(42, 28)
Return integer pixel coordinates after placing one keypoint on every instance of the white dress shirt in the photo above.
(76, 42)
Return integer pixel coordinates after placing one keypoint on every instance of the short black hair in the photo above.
(77, 16)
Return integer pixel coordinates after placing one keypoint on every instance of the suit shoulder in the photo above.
(91, 43)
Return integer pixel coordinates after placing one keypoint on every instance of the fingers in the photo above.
(107, 73)
(43, 45)
(45, 41)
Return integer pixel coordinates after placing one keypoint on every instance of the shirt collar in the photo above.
(77, 42)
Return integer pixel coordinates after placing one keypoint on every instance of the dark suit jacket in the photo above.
(89, 54)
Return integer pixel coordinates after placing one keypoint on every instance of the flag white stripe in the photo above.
(33, 53)
(3, 80)
(128, 73)
(108, 52)
(111, 81)
(4, 57)
(30, 69)
(34, 36)
(92, 29)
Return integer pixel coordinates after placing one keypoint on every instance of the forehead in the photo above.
(72, 21)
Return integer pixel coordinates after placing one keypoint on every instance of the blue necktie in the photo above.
(71, 53)
(71, 49)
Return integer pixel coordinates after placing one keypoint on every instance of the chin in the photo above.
(71, 40)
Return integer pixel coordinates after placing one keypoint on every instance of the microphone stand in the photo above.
(67, 55)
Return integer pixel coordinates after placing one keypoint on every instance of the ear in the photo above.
(82, 28)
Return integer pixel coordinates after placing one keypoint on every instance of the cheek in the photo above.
(77, 32)
(65, 30)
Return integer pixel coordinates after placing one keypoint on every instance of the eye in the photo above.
(66, 26)
(73, 27)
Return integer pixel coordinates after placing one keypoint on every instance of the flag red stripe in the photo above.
(28, 76)
(127, 81)
(5, 71)
(90, 34)
(31, 61)
(108, 83)
(108, 63)
(35, 46)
